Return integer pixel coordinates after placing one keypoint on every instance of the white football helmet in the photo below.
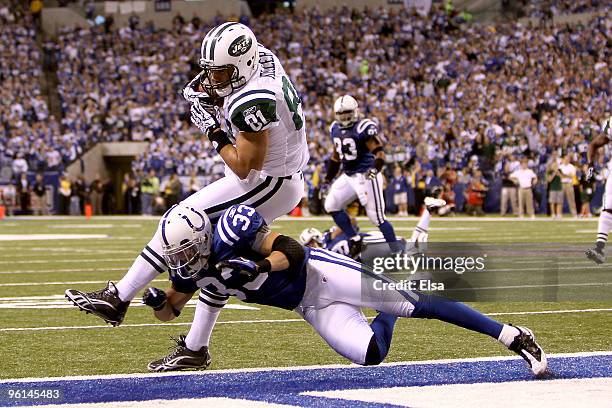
(229, 57)
(309, 235)
(346, 111)
(186, 240)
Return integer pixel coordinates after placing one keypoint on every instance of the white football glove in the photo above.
(190, 92)
(203, 119)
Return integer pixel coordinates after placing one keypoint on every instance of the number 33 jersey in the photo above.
(351, 145)
(240, 233)
(269, 101)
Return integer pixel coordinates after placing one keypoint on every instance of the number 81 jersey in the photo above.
(351, 145)
(269, 101)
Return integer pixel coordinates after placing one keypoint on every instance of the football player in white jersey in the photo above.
(245, 104)
(596, 254)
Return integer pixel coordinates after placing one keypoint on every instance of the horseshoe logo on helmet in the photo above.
(201, 227)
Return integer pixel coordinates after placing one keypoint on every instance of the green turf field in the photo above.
(41, 335)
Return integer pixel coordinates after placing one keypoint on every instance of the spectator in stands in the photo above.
(555, 190)
(508, 191)
(172, 190)
(525, 179)
(149, 190)
(475, 195)
(23, 193)
(65, 191)
(8, 198)
(39, 196)
(400, 191)
(96, 190)
(568, 176)
(132, 196)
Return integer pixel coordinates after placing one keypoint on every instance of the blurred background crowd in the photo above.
(476, 113)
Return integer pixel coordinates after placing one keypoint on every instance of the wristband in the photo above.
(219, 139)
(263, 266)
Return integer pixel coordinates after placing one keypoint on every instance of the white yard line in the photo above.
(45, 328)
(50, 237)
(63, 283)
(42, 261)
(34, 271)
(296, 368)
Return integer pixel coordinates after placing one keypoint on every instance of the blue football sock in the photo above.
(450, 311)
(382, 326)
(387, 230)
(342, 219)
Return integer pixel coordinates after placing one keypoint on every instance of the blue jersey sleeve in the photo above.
(236, 230)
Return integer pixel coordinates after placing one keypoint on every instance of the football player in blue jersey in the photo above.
(358, 149)
(336, 240)
(242, 257)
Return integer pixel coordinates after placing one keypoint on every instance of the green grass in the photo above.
(128, 349)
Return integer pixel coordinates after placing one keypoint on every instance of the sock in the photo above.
(136, 279)
(202, 326)
(342, 219)
(603, 228)
(382, 326)
(507, 335)
(434, 307)
(387, 230)
(422, 226)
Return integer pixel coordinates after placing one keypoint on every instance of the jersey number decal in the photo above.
(293, 103)
(241, 214)
(346, 148)
(255, 120)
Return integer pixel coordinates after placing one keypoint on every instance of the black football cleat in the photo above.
(524, 345)
(104, 303)
(181, 358)
(596, 255)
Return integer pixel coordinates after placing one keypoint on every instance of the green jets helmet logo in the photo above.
(240, 46)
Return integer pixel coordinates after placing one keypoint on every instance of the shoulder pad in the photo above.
(332, 126)
(239, 224)
(369, 125)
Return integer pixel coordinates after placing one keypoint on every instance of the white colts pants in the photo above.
(369, 192)
(336, 290)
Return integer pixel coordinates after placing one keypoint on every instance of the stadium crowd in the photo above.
(460, 105)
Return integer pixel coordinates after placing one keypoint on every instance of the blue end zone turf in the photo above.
(285, 386)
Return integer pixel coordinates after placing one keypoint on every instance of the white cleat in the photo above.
(434, 203)
(524, 345)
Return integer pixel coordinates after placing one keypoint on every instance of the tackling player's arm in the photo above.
(282, 252)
